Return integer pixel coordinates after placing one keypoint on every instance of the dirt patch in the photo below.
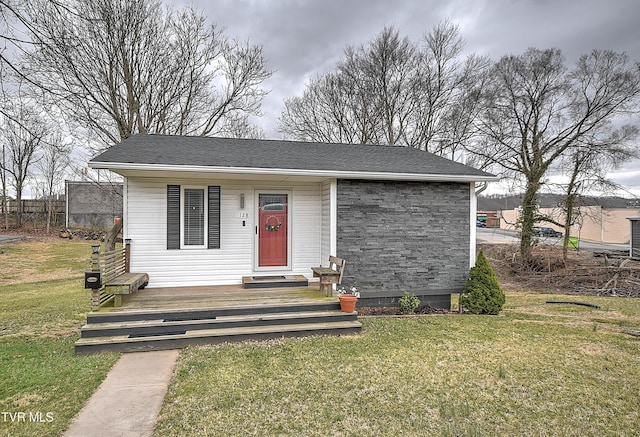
(31, 234)
(395, 311)
(27, 400)
(40, 234)
(584, 273)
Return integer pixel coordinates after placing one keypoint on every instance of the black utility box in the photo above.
(92, 280)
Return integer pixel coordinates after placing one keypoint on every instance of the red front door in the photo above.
(273, 230)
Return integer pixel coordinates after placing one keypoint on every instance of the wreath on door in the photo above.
(272, 225)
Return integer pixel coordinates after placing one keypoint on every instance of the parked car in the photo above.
(542, 231)
(480, 224)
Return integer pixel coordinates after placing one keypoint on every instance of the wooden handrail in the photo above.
(110, 264)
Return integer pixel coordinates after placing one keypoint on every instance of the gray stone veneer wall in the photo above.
(401, 236)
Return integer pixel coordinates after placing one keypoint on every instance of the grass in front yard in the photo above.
(42, 310)
(538, 369)
(43, 261)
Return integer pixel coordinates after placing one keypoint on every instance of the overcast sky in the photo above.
(302, 38)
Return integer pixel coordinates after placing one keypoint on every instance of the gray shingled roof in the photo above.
(165, 150)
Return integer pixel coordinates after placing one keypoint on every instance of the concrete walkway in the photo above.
(128, 401)
(9, 238)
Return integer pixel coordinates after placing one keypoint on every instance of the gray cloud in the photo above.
(574, 26)
(302, 38)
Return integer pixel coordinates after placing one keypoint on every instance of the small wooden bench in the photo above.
(329, 275)
(110, 278)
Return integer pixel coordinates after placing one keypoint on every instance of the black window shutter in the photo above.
(173, 216)
(213, 230)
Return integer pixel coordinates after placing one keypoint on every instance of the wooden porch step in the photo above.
(208, 313)
(167, 326)
(274, 281)
(137, 330)
(126, 343)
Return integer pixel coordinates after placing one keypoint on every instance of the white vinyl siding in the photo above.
(328, 241)
(306, 219)
(146, 226)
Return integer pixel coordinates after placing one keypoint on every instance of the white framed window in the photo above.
(193, 217)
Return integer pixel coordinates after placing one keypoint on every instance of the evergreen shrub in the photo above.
(482, 293)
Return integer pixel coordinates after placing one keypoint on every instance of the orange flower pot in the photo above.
(348, 302)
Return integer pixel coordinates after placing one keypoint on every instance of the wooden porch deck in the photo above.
(220, 296)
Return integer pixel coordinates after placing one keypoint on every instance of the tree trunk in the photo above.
(5, 210)
(49, 206)
(3, 187)
(19, 207)
(568, 221)
(527, 220)
(110, 241)
(5, 206)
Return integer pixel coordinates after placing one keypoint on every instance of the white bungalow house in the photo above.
(210, 211)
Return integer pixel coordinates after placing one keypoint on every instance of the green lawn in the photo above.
(43, 384)
(538, 369)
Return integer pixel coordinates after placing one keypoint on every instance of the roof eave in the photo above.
(125, 166)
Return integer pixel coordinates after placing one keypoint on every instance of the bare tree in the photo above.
(298, 119)
(392, 91)
(12, 17)
(3, 186)
(22, 133)
(587, 166)
(331, 109)
(445, 99)
(239, 126)
(384, 74)
(53, 163)
(120, 67)
(536, 110)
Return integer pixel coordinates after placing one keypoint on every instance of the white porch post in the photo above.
(473, 207)
(125, 209)
(333, 217)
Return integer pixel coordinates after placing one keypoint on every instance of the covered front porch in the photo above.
(258, 226)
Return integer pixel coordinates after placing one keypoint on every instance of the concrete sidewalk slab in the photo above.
(128, 401)
(10, 238)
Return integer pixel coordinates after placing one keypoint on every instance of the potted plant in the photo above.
(348, 298)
